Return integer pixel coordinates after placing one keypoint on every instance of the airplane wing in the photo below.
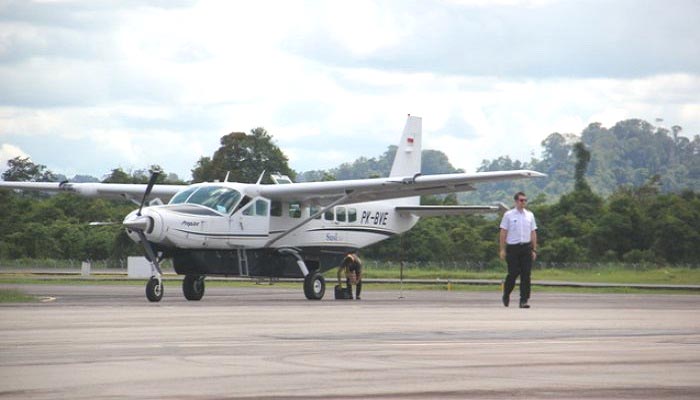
(438, 211)
(361, 190)
(130, 191)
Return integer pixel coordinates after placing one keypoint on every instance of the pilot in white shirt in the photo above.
(518, 246)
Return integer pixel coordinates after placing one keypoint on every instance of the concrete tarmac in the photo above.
(108, 342)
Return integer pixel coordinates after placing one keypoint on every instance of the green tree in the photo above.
(117, 175)
(245, 157)
(22, 169)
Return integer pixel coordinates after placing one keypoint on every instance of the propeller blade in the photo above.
(150, 254)
(101, 223)
(151, 182)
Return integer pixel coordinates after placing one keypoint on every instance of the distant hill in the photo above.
(629, 154)
(434, 162)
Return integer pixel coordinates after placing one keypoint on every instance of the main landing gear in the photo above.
(314, 286)
(193, 287)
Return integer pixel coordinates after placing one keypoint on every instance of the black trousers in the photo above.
(358, 287)
(519, 259)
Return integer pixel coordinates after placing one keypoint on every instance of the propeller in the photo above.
(141, 224)
(149, 188)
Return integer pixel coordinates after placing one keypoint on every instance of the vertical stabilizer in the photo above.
(408, 156)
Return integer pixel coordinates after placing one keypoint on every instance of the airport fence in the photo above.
(497, 265)
(50, 264)
(465, 265)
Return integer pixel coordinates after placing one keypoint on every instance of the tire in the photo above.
(193, 287)
(154, 290)
(314, 286)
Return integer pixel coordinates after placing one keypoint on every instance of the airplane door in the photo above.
(251, 224)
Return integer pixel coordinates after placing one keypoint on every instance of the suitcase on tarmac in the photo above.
(343, 293)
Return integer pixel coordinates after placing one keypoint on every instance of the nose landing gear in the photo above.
(154, 289)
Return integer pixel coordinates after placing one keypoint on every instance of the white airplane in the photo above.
(283, 229)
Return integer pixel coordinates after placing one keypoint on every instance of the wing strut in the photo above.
(302, 223)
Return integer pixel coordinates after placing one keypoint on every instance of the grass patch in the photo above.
(670, 275)
(15, 296)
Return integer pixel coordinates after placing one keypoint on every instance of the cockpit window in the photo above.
(183, 195)
(218, 198)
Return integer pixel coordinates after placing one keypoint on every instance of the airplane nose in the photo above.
(150, 222)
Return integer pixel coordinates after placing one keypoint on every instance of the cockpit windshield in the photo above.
(218, 198)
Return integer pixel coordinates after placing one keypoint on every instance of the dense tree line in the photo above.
(42, 226)
(633, 225)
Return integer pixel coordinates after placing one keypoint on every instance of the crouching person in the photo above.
(351, 267)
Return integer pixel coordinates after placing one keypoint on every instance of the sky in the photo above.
(89, 86)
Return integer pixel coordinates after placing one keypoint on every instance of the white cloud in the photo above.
(330, 81)
(8, 152)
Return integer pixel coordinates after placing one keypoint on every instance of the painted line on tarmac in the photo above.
(505, 342)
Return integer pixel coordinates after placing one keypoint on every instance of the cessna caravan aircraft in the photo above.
(283, 229)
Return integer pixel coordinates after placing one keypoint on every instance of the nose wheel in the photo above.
(154, 289)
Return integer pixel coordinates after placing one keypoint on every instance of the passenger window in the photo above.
(276, 209)
(295, 210)
(313, 210)
(328, 215)
(352, 215)
(261, 208)
(340, 214)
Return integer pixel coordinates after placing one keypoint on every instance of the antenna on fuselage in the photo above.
(227, 174)
(260, 178)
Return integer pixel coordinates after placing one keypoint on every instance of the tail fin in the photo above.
(407, 161)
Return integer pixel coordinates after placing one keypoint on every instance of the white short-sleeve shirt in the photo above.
(519, 225)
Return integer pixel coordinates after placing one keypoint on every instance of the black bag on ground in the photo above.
(342, 293)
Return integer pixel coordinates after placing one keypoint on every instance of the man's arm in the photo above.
(533, 243)
(502, 244)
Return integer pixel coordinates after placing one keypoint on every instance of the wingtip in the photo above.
(535, 174)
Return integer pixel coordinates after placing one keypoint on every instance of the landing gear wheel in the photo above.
(154, 289)
(193, 287)
(314, 286)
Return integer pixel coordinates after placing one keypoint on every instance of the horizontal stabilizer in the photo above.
(437, 211)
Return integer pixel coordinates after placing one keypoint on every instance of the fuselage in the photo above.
(221, 216)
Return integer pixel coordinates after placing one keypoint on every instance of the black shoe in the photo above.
(358, 298)
(506, 300)
(523, 304)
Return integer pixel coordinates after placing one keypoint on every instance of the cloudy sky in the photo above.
(87, 86)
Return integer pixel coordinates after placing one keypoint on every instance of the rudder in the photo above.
(407, 161)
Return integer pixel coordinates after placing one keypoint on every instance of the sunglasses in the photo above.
(522, 200)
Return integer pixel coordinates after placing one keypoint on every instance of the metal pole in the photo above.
(401, 254)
